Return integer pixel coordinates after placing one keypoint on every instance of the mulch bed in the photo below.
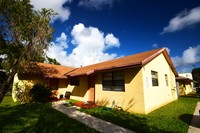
(80, 104)
(85, 105)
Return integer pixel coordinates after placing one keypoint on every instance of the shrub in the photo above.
(40, 93)
(198, 91)
(22, 93)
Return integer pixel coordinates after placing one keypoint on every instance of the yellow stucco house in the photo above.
(139, 83)
(184, 85)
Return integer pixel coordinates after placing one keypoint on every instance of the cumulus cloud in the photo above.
(111, 41)
(155, 45)
(56, 5)
(57, 50)
(182, 20)
(190, 56)
(90, 47)
(96, 4)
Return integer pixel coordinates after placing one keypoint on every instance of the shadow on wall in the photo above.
(126, 106)
(103, 102)
(78, 92)
(131, 74)
(130, 104)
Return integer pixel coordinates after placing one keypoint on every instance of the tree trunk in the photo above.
(6, 85)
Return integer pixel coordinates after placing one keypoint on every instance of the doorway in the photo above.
(91, 89)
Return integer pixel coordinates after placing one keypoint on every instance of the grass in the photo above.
(36, 118)
(70, 102)
(174, 117)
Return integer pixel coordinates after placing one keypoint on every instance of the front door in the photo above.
(91, 89)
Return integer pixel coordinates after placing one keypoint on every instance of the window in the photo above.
(74, 81)
(154, 76)
(166, 79)
(113, 81)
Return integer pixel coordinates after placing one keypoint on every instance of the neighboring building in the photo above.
(138, 83)
(185, 83)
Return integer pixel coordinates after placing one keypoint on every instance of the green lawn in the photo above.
(36, 118)
(174, 117)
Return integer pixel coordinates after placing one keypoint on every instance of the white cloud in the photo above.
(56, 5)
(96, 4)
(62, 40)
(58, 49)
(182, 20)
(190, 56)
(90, 45)
(155, 45)
(111, 41)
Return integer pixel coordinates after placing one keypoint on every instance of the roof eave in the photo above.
(138, 64)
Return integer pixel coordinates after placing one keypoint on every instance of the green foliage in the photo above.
(3, 75)
(24, 34)
(196, 76)
(40, 93)
(36, 118)
(70, 102)
(22, 93)
(52, 61)
(174, 117)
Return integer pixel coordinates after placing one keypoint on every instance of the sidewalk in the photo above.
(195, 123)
(93, 122)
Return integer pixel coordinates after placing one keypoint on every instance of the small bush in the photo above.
(198, 90)
(40, 93)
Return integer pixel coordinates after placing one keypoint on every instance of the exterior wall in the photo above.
(131, 100)
(157, 96)
(25, 83)
(187, 75)
(185, 87)
(78, 92)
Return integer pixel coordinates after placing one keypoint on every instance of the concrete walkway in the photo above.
(93, 122)
(195, 123)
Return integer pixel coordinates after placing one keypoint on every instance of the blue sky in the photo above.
(92, 31)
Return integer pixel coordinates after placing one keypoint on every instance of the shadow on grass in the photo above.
(136, 123)
(37, 118)
(188, 117)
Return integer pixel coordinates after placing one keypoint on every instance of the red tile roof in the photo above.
(181, 78)
(136, 60)
(127, 61)
(49, 70)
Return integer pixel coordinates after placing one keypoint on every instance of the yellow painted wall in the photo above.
(25, 83)
(188, 88)
(181, 88)
(78, 92)
(157, 96)
(131, 100)
(185, 88)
